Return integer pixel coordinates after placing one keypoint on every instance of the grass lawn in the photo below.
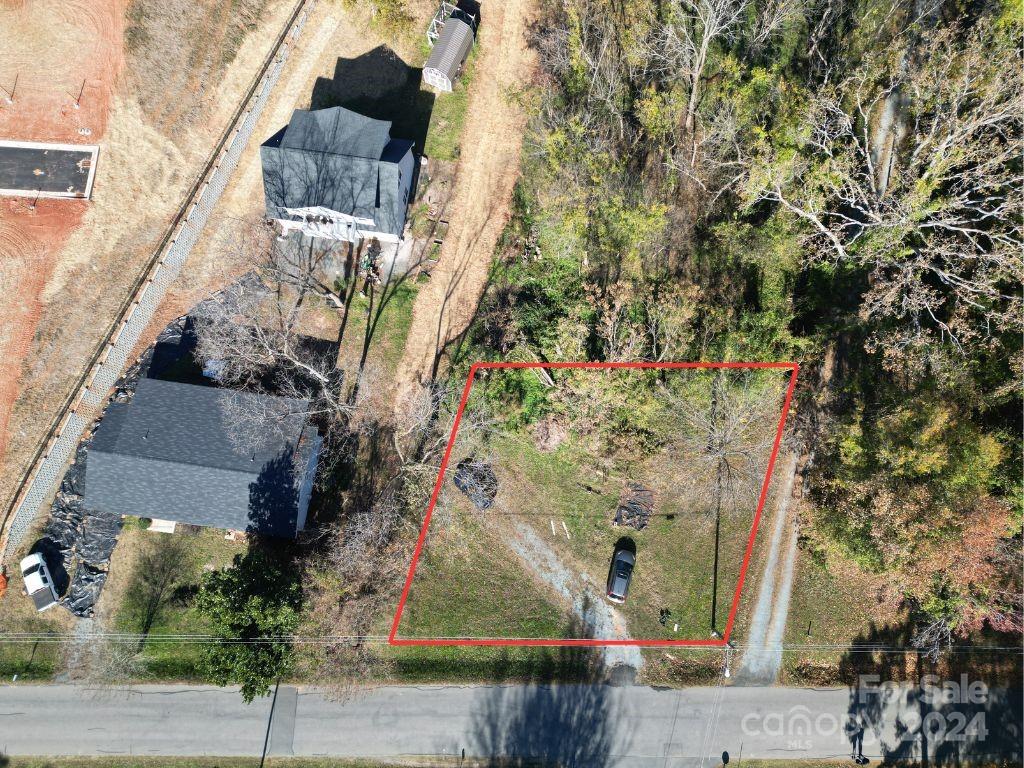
(465, 591)
(550, 532)
(153, 577)
(449, 115)
(675, 553)
(389, 323)
(36, 661)
(470, 584)
(33, 660)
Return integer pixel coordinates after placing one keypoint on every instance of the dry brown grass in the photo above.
(144, 169)
(177, 50)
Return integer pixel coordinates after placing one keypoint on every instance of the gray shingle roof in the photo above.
(338, 131)
(336, 159)
(169, 454)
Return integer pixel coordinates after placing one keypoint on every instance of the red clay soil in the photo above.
(59, 66)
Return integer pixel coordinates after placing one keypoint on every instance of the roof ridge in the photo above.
(219, 467)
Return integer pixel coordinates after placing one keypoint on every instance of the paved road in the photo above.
(586, 726)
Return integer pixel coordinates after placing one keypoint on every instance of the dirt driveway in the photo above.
(479, 208)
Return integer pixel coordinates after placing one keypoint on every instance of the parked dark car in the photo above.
(620, 574)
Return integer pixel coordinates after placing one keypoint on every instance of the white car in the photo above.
(38, 582)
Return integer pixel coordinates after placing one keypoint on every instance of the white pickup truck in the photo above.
(38, 582)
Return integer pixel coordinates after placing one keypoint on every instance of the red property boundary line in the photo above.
(393, 638)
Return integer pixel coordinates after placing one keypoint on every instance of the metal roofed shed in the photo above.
(450, 51)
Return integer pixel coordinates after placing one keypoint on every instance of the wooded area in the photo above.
(832, 182)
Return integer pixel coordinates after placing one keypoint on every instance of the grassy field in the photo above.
(153, 577)
(675, 553)
(390, 320)
(36, 661)
(467, 591)
(469, 583)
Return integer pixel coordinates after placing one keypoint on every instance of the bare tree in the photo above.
(684, 44)
(368, 531)
(774, 16)
(933, 638)
(729, 436)
(416, 435)
(251, 335)
(938, 229)
(110, 663)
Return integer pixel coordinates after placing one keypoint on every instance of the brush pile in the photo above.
(636, 505)
(477, 480)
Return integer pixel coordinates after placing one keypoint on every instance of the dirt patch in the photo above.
(59, 65)
(549, 433)
(479, 210)
(61, 60)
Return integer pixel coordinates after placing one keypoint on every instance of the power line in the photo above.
(10, 638)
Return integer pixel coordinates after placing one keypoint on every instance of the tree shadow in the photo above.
(379, 299)
(453, 346)
(474, 9)
(54, 558)
(965, 707)
(274, 498)
(156, 581)
(571, 725)
(173, 357)
(380, 85)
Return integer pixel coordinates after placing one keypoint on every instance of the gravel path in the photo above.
(602, 621)
(763, 659)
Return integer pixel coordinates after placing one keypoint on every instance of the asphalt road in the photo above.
(587, 726)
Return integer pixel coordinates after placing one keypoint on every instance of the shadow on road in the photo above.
(576, 725)
(966, 707)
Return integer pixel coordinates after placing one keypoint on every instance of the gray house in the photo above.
(170, 454)
(335, 174)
